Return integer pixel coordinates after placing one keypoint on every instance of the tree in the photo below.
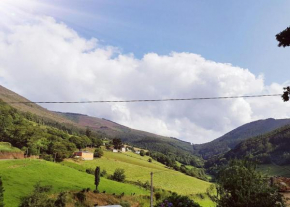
(178, 201)
(88, 132)
(239, 185)
(119, 175)
(284, 40)
(1, 193)
(117, 143)
(97, 177)
(286, 93)
(97, 142)
(142, 153)
(284, 37)
(98, 152)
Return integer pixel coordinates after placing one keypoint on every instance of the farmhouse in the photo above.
(85, 155)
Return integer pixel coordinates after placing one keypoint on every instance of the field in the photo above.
(138, 168)
(6, 147)
(19, 177)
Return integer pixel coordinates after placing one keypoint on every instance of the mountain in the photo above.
(132, 136)
(269, 148)
(66, 121)
(233, 138)
(8, 96)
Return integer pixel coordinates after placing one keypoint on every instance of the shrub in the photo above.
(142, 153)
(149, 160)
(90, 171)
(125, 204)
(98, 152)
(103, 173)
(38, 197)
(81, 196)
(177, 201)
(119, 175)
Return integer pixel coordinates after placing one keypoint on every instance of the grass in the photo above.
(6, 147)
(19, 177)
(138, 168)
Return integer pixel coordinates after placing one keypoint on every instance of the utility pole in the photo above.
(151, 196)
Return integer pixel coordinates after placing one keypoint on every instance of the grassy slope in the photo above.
(19, 176)
(138, 168)
(6, 147)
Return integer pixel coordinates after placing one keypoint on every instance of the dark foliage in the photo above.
(39, 197)
(239, 185)
(117, 143)
(285, 95)
(119, 175)
(284, 38)
(97, 177)
(1, 193)
(177, 201)
(98, 152)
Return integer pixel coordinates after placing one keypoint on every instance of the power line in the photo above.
(143, 100)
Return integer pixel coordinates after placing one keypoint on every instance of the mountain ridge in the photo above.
(231, 139)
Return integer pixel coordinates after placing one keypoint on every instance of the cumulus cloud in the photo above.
(44, 60)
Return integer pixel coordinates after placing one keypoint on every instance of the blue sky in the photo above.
(238, 32)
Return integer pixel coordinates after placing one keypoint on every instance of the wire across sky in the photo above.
(145, 100)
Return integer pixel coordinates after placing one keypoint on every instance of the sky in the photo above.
(69, 50)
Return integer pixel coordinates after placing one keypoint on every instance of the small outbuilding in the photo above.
(85, 155)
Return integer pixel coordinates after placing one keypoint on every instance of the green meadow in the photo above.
(19, 177)
(138, 168)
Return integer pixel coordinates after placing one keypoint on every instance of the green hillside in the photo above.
(167, 145)
(233, 138)
(77, 123)
(268, 148)
(19, 177)
(138, 168)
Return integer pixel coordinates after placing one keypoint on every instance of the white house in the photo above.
(114, 150)
(123, 149)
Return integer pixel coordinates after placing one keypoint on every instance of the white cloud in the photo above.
(44, 60)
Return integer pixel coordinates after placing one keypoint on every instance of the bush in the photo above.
(90, 171)
(81, 196)
(103, 173)
(119, 175)
(177, 201)
(149, 160)
(142, 153)
(125, 204)
(38, 197)
(98, 152)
